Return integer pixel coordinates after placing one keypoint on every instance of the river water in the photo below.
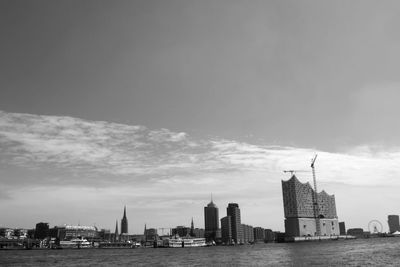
(359, 252)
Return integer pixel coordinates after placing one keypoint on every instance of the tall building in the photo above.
(259, 234)
(342, 228)
(42, 230)
(211, 221)
(226, 230)
(237, 231)
(124, 223)
(248, 233)
(393, 221)
(300, 217)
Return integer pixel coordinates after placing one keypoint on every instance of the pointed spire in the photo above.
(192, 228)
(125, 211)
(211, 198)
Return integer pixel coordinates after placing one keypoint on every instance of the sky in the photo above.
(157, 104)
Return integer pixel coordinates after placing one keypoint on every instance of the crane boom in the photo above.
(316, 207)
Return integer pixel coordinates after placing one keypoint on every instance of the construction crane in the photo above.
(293, 171)
(162, 231)
(316, 207)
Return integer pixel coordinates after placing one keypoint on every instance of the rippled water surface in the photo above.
(360, 252)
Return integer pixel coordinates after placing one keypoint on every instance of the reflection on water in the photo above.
(361, 252)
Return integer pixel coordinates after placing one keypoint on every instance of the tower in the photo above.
(116, 230)
(393, 221)
(234, 212)
(124, 223)
(192, 228)
(211, 221)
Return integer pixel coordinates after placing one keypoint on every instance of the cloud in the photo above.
(153, 169)
(96, 149)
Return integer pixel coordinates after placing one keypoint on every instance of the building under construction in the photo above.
(308, 213)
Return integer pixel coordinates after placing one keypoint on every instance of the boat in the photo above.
(179, 242)
(75, 243)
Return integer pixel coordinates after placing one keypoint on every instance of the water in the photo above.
(360, 252)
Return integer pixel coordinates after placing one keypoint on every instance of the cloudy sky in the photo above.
(157, 104)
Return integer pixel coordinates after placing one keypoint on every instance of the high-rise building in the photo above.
(124, 223)
(248, 234)
(211, 221)
(42, 230)
(393, 221)
(342, 228)
(300, 214)
(237, 231)
(259, 234)
(226, 230)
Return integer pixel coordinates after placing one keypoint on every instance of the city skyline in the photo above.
(156, 104)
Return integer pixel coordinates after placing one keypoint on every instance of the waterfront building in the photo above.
(41, 230)
(226, 230)
(342, 228)
(211, 221)
(259, 234)
(198, 232)
(269, 235)
(104, 234)
(393, 221)
(234, 212)
(124, 223)
(150, 234)
(248, 234)
(357, 232)
(21, 233)
(7, 233)
(68, 232)
(181, 231)
(300, 217)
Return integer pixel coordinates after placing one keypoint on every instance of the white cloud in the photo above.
(49, 151)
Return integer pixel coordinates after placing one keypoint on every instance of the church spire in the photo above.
(124, 211)
(116, 230)
(192, 228)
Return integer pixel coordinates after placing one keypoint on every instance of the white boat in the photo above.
(186, 242)
(75, 243)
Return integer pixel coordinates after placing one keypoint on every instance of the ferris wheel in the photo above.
(375, 227)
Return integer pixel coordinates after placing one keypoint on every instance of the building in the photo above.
(269, 235)
(357, 232)
(226, 230)
(393, 221)
(211, 221)
(68, 232)
(181, 231)
(259, 234)
(301, 217)
(198, 232)
(7, 233)
(342, 228)
(41, 230)
(237, 231)
(124, 223)
(248, 234)
(150, 234)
